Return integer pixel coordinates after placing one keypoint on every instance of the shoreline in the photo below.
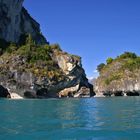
(15, 96)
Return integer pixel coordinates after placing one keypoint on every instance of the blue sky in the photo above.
(93, 29)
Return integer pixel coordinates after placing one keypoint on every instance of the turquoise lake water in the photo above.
(71, 119)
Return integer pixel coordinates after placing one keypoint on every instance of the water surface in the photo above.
(71, 119)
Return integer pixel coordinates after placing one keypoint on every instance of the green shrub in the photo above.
(132, 64)
(100, 67)
(41, 54)
(109, 60)
(113, 78)
(29, 40)
(128, 55)
(11, 48)
(56, 47)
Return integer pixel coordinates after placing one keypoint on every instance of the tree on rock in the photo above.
(30, 42)
(109, 60)
(100, 67)
(128, 55)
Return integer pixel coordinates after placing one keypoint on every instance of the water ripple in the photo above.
(71, 119)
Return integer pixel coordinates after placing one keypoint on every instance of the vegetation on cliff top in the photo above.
(119, 68)
(38, 58)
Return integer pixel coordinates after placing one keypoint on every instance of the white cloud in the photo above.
(95, 75)
(95, 71)
(90, 78)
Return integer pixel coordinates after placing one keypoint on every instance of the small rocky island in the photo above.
(29, 66)
(119, 76)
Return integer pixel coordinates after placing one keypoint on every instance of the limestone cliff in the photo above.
(35, 69)
(119, 77)
(16, 22)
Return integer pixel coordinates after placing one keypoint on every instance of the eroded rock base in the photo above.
(120, 93)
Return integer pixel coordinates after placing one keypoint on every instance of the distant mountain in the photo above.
(92, 80)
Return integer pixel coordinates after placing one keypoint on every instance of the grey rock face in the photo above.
(75, 75)
(127, 84)
(15, 22)
(17, 78)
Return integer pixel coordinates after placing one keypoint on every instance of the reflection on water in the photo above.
(95, 118)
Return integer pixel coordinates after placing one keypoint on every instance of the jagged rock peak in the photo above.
(16, 22)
